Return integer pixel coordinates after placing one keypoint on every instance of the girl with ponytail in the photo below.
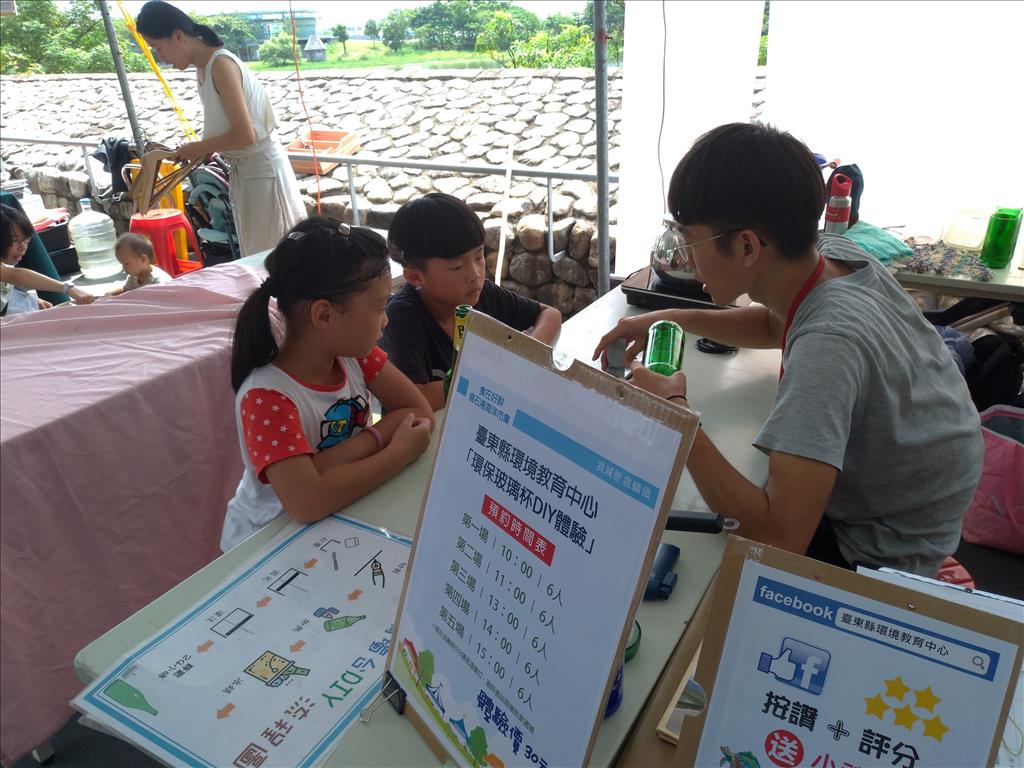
(238, 123)
(303, 406)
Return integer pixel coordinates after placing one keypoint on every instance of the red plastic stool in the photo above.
(952, 572)
(159, 225)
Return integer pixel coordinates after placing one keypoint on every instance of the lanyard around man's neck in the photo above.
(800, 296)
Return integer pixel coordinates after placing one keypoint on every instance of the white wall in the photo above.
(710, 63)
(927, 98)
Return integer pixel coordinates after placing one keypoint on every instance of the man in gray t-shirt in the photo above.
(871, 389)
(874, 445)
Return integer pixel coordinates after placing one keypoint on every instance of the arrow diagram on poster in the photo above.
(354, 594)
(224, 711)
(263, 602)
(205, 646)
(297, 646)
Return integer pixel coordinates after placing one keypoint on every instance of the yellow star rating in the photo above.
(875, 706)
(926, 699)
(935, 728)
(896, 688)
(905, 716)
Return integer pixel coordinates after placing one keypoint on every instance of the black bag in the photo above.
(995, 378)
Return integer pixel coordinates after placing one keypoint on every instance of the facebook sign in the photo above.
(798, 664)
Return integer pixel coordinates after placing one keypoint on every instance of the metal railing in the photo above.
(84, 144)
(349, 161)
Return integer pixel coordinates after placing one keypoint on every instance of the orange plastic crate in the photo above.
(325, 143)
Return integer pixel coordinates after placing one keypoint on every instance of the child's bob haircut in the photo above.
(136, 244)
(435, 226)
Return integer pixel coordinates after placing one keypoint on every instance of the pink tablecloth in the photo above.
(119, 453)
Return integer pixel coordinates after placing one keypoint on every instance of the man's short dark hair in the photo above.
(435, 226)
(743, 175)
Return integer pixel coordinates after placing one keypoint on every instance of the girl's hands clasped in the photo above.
(411, 437)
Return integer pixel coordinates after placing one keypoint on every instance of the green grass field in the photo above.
(362, 54)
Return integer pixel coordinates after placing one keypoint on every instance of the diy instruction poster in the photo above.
(270, 669)
(540, 521)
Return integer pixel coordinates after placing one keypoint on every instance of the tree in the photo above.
(44, 38)
(425, 665)
(478, 744)
(341, 33)
(372, 31)
(238, 33)
(615, 22)
(572, 47)
(554, 23)
(278, 49)
(394, 30)
(501, 37)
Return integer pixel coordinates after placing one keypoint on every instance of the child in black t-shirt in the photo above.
(439, 241)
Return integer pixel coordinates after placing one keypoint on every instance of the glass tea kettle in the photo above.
(668, 258)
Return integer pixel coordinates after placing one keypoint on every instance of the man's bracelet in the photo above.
(68, 287)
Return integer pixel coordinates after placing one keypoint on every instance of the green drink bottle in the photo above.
(664, 353)
(461, 318)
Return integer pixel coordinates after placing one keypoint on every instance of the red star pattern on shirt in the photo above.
(268, 416)
(372, 364)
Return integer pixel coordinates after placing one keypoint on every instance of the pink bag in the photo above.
(996, 515)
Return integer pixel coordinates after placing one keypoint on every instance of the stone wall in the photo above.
(452, 117)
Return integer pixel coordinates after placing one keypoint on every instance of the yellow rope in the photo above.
(144, 47)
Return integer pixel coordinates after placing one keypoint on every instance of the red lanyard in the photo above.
(801, 295)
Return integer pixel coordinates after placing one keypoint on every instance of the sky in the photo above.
(348, 12)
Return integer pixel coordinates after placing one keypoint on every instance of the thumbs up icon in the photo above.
(781, 666)
(798, 664)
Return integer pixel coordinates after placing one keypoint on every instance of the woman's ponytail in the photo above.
(253, 344)
(207, 35)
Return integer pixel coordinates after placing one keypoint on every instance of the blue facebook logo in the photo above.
(798, 664)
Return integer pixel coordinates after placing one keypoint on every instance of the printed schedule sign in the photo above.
(273, 667)
(840, 675)
(545, 506)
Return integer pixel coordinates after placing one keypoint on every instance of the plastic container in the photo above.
(967, 230)
(325, 143)
(94, 237)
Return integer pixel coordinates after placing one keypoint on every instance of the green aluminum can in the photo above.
(664, 353)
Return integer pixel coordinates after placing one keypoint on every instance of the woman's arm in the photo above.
(29, 279)
(227, 79)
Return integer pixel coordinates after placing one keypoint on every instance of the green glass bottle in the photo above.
(664, 352)
(461, 318)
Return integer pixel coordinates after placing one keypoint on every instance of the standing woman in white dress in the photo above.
(238, 123)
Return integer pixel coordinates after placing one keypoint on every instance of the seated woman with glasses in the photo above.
(16, 233)
(874, 445)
